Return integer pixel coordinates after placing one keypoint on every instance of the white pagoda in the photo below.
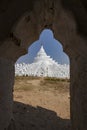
(43, 66)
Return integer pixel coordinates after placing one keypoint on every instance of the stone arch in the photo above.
(28, 27)
(16, 39)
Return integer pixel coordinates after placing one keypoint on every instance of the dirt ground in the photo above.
(41, 104)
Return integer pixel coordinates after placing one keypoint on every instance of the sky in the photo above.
(52, 47)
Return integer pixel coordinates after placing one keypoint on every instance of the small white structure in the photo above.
(43, 65)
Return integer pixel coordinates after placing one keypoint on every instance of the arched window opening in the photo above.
(48, 53)
(42, 82)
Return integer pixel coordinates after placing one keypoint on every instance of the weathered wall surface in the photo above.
(79, 92)
(6, 92)
(21, 22)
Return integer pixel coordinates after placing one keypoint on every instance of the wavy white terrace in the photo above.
(44, 66)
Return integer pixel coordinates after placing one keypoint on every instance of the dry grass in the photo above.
(45, 84)
(26, 78)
